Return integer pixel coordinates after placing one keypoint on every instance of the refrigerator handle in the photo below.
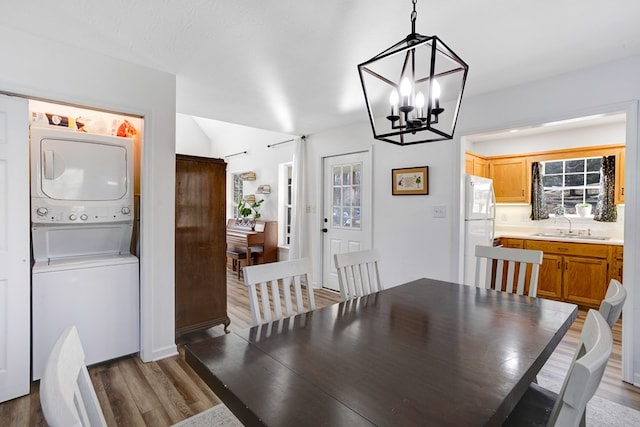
(493, 214)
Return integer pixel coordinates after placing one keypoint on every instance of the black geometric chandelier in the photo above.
(413, 89)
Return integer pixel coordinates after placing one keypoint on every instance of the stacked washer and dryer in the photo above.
(82, 221)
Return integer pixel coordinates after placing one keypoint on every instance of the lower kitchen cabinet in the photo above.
(574, 272)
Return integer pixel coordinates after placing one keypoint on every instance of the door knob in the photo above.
(324, 230)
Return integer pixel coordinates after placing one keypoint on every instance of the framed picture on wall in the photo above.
(410, 180)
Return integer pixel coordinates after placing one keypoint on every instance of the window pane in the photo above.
(574, 166)
(573, 180)
(337, 175)
(553, 167)
(346, 192)
(594, 165)
(336, 217)
(355, 196)
(337, 196)
(571, 198)
(357, 171)
(356, 217)
(552, 181)
(346, 175)
(593, 178)
(346, 217)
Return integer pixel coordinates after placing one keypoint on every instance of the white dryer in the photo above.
(82, 219)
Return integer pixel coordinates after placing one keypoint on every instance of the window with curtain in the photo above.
(237, 193)
(569, 182)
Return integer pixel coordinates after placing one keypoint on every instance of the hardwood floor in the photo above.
(162, 393)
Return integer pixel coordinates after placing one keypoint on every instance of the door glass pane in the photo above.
(337, 175)
(356, 217)
(355, 195)
(347, 196)
(336, 218)
(346, 173)
(346, 217)
(346, 193)
(357, 172)
(337, 196)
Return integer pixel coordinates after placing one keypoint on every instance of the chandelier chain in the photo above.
(414, 14)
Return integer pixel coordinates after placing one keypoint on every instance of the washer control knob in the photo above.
(73, 217)
(125, 210)
(42, 211)
(84, 217)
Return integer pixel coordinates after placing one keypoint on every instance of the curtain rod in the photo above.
(235, 154)
(284, 142)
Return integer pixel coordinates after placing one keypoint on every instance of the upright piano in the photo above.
(260, 237)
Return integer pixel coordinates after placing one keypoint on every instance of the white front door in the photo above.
(346, 209)
(15, 315)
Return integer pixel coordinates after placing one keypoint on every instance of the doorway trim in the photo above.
(631, 273)
(368, 205)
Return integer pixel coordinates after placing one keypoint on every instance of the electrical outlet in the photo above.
(439, 211)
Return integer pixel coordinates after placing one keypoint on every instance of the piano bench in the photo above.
(237, 256)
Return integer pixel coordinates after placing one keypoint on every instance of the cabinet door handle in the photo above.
(558, 265)
(623, 191)
(566, 265)
(562, 249)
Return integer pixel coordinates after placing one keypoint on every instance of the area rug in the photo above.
(218, 416)
(600, 412)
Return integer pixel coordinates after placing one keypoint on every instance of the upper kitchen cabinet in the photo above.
(476, 165)
(620, 176)
(510, 180)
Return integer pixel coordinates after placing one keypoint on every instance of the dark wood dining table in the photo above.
(424, 353)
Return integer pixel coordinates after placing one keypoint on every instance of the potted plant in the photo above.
(583, 209)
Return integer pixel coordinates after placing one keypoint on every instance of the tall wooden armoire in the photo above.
(201, 277)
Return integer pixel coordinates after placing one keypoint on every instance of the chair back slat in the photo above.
(358, 273)
(515, 260)
(67, 395)
(611, 305)
(267, 304)
(585, 372)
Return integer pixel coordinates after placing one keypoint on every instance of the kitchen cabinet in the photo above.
(200, 244)
(619, 196)
(573, 272)
(616, 272)
(476, 165)
(510, 179)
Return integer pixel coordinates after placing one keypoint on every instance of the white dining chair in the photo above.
(542, 407)
(265, 277)
(513, 258)
(611, 305)
(358, 273)
(67, 395)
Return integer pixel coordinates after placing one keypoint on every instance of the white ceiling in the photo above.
(289, 66)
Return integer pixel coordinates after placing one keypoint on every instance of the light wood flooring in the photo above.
(133, 393)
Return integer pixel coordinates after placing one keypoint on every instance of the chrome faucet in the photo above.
(560, 213)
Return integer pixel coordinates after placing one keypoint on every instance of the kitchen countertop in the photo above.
(513, 234)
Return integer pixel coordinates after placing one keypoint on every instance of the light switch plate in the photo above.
(439, 211)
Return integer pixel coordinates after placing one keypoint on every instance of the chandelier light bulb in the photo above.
(420, 105)
(435, 88)
(405, 87)
(393, 101)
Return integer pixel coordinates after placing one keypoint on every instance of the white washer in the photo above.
(98, 294)
(82, 219)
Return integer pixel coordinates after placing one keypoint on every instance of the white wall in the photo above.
(610, 134)
(190, 139)
(38, 68)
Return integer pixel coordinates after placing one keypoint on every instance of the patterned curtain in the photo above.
(538, 204)
(605, 210)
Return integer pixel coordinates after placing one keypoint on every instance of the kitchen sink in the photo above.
(570, 236)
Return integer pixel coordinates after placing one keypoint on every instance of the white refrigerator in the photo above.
(479, 221)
